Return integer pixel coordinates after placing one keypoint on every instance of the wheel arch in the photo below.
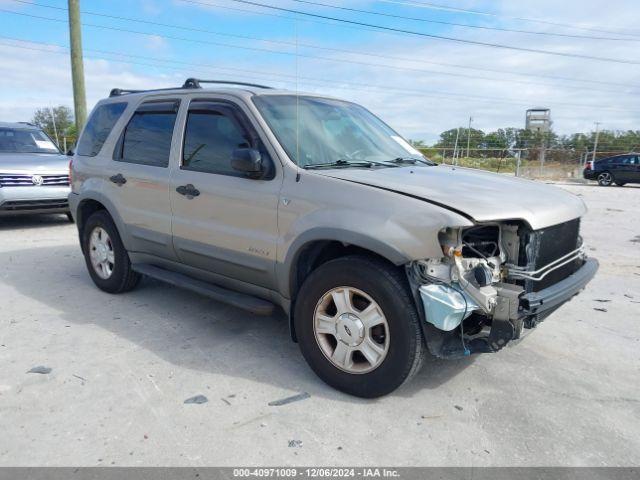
(315, 248)
(90, 204)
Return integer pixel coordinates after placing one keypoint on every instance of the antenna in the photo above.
(295, 26)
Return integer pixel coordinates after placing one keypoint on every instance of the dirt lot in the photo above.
(122, 366)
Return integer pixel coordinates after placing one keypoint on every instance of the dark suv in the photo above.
(620, 170)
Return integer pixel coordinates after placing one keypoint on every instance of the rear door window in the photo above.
(98, 128)
(147, 138)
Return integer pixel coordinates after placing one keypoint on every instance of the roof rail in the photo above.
(116, 92)
(190, 83)
(195, 83)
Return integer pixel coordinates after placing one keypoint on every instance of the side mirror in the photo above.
(247, 160)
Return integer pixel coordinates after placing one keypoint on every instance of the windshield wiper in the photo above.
(410, 161)
(346, 164)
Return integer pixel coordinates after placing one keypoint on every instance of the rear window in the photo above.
(98, 128)
(147, 138)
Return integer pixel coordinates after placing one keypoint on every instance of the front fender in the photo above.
(396, 227)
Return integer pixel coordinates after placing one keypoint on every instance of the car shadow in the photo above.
(23, 221)
(186, 329)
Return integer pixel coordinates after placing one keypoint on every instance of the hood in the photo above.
(31, 163)
(479, 195)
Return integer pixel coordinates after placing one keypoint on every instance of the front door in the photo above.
(223, 221)
(138, 177)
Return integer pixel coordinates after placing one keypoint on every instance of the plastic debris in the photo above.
(198, 399)
(40, 369)
(285, 401)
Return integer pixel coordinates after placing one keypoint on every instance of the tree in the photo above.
(64, 122)
(448, 140)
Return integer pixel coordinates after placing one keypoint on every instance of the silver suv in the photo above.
(34, 175)
(261, 198)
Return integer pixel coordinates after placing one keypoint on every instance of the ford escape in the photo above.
(260, 198)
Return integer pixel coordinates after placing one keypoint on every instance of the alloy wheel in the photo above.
(101, 253)
(605, 179)
(351, 330)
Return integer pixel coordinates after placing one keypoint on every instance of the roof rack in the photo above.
(195, 83)
(190, 83)
(116, 92)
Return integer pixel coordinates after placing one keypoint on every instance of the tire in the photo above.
(121, 277)
(372, 283)
(605, 179)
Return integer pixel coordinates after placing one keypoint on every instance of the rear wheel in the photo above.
(605, 179)
(106, 258)
(358, 327)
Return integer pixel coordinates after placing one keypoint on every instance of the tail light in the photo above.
(589, 165)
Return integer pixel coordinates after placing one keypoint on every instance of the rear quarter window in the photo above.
(98, 128)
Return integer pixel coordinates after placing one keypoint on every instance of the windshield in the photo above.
(25, 140)
(317, 131)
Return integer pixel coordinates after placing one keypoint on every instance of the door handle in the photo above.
(118, 179)
(188, 191)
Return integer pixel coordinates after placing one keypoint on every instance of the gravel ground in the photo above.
(123, 366)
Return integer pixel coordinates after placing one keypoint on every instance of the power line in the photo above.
(444, 64)
(334, 84)
(442, 37)
(464, 25)
(316, 57)
(434, 6)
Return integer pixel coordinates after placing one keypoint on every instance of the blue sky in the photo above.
(416, 84)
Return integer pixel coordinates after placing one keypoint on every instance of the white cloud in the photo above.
(416, 116)
(32, 79)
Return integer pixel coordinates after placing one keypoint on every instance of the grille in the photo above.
(546, 245)
(22, 205)
(9, 180)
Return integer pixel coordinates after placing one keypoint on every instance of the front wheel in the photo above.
(605, 179)
(358, 327)
(106, 258)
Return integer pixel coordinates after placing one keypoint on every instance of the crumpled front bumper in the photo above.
(515, 310)
(536, 303)
(533, 307)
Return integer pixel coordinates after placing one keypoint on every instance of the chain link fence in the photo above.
(534, 163)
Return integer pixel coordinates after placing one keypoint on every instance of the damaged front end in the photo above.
(495, 279)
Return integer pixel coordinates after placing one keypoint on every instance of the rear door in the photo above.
(634, 168)
(625, 168)
(230, 227)
(138, 180)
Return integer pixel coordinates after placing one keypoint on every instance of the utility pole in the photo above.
(455, 149)
(469, 135)
(77, 67)
(595, 145)
(55, 128)
(543, 152)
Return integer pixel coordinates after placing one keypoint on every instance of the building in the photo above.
(538, 120)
